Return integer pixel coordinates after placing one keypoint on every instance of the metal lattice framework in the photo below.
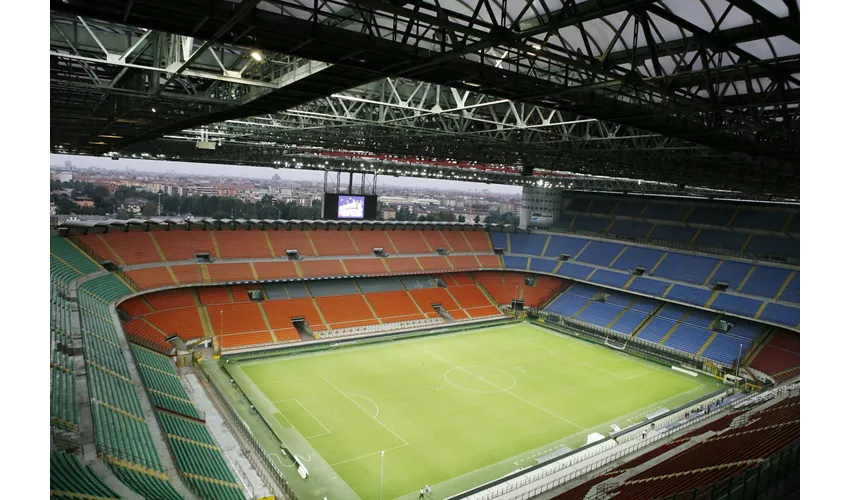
(697, 92)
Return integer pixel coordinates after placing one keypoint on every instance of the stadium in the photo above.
(635, 336)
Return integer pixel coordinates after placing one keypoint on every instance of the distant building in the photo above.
(84, 201)
(388, 214)
(65, 176)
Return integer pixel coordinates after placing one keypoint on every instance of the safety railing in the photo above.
(260, 459)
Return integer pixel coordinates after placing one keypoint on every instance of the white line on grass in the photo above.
(327, 431)
(500, 389)
(364, 411)
(377, 408)
(367, 455)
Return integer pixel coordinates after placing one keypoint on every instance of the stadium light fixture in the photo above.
(257, 55)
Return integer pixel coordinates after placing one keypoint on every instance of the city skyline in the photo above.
(266, 173)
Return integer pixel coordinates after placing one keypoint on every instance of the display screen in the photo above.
(351, 207)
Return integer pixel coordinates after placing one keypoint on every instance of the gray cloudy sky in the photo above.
(267, 173)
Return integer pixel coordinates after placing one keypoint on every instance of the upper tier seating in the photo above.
(282, 241)
(367, 240)
(750, 230)
(241, 244)
(368, 266)
(180, 245)
(333, 243)
(151, 277)
(408, 242)
(275, 270)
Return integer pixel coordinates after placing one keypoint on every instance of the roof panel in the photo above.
(692, 11)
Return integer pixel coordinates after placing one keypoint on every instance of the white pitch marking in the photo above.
(377, 408)
(367, 455)
(364, 411)
(497, 387)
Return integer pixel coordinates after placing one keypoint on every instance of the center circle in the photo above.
(480, 379)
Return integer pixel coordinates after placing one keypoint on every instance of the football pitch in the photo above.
(453, 410)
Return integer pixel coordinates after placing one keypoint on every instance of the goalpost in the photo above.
(614, 344)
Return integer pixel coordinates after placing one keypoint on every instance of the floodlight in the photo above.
(257, 55)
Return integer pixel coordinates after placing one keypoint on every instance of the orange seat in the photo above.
(456, 241)
(489, 261)
(435, 263)
(150, 277)
(403, 265)
(345, 309)
(319, 268)
(239, 317)
(295, 239)
(135, 307)
(465, 262)
(184, 322)
(479, 241)
(240, 292)
(233, 340)
(275, 270)
(426, 297)
(469, 296)
(364, 266)
(171, 299)
(242, 244)
(95, 244)
(408, 241)
(333, 242)
(435, 240)
(141, 332)
(394, 306)
(281, 313)
(367, 240)
(214, 295)
(237, 271)
(188, 274)
(180, 245)
(133, 247)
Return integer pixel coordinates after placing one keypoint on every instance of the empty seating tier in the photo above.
(241, 244)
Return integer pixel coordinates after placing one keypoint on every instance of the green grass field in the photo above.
(453, 410)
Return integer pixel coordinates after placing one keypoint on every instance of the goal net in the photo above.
(614, 343)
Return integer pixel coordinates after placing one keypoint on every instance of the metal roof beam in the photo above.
(786, 25)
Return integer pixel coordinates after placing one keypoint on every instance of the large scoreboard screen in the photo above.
(349, 207)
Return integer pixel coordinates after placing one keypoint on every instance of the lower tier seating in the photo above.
(780, 356)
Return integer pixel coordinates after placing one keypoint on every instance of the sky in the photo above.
(267, 173)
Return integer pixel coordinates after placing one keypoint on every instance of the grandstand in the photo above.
(168, 306)
(632, 333)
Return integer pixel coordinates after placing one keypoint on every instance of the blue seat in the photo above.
(737, 305)
(688, 338)
(710, 216)
(631, 229)
(792, 291)
(656, 329)
(610, 278)
(514, 262)
(599, 313)
(630, 208)
(531, 244)
(576, 271)
(687, 268)
(768, 220)
(674, 312)
(638, 257)
(645, 304)
(543, 265)
(600, 253)
(578, 204)
(564, 245)
(678, 234)
(649, 286)
(567, 304)
(784, 315)
(592, 224)
(765, 281)
(500, 240)
(731, 272)
(689, 295)
(700, 318)
(726, 349)
(777, 246)
(583, 290)
(602, 206)
(658, 210)
(628, 322)
(713, 238)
